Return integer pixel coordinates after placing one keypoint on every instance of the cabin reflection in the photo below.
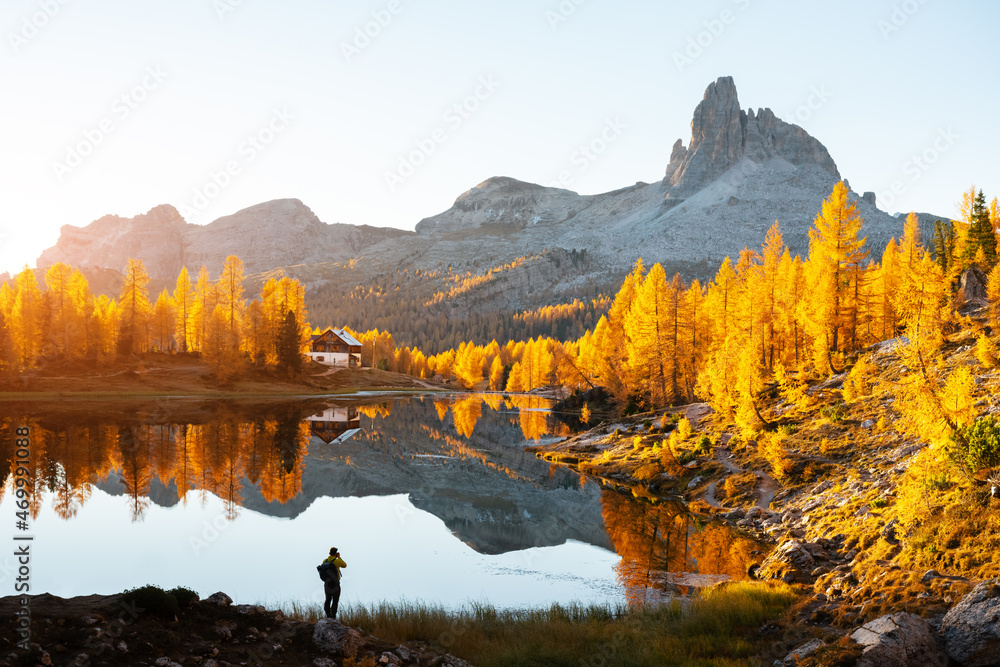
(335, 424)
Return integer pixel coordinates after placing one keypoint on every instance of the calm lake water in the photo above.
(431, 499)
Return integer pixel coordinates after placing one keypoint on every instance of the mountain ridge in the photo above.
(740, 171)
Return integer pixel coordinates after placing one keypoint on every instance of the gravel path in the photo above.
(765, 490)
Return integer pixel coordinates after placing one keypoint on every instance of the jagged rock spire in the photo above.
(722, 134)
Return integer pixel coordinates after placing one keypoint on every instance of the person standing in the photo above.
(330, 573)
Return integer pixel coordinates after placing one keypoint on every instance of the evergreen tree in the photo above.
(944, 245)
(289, 354)
(981, 234)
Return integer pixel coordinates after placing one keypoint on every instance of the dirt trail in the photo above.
(765, 489)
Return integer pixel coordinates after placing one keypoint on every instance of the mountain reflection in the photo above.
(222, 448)
(460, 458)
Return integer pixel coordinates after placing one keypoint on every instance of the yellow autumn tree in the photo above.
(230, 291)
(163, 322)
(993, 295)
(105, 344)
(66, 333)
(183, 305)
(651, 335)
(835, 270)
(206, 296)
(26, 319)
(134, 309)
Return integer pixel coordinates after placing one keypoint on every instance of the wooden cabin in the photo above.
(335, 347)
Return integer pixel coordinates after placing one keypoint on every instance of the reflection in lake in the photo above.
(665, 549)
(434, 498)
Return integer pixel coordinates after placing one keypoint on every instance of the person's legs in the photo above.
(329, 589)
(334, 597)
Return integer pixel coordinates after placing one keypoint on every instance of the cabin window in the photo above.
(319, 358)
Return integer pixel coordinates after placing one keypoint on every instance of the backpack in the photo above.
(327, 572)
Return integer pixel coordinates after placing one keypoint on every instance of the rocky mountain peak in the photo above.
(502, 200)
(281, 232)
(722, 134)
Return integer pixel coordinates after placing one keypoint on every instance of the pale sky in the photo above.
(117, 106)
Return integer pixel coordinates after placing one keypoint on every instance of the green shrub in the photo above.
(978, 446)
(941, 482)
(704, 445)
(686, 457)
(154, 600)
(185, 596)
(834, 412)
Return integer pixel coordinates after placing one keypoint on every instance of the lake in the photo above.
(429, 499)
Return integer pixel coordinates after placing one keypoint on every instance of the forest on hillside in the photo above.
(767, 319)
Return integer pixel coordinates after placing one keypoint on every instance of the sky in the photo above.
(382, 112)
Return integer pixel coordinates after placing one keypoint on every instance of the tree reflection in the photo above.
(219, 457)
(660, 542)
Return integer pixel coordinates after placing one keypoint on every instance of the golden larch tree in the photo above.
(836, 258)
(183, 305)
(26, 319)
(135, 309)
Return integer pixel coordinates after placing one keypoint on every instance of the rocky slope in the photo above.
(890, 545)
(151, 629)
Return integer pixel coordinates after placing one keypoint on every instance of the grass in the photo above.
(721, 627)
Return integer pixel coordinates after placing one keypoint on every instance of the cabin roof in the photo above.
(347, 338)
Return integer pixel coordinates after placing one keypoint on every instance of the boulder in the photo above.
(973, 285)
(971, 629)
(790, 562)
(220, 599)
(899, 640)
(801, 652)
(334, 637)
